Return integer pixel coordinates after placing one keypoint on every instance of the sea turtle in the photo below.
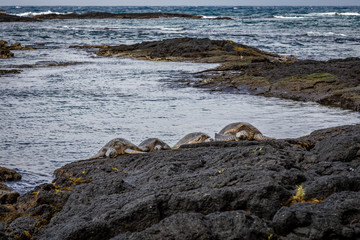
(240, 131)
(153, 144)
(116, 147)
(195, 137)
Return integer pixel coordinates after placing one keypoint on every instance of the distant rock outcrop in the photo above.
(102, 15)
(13, 18)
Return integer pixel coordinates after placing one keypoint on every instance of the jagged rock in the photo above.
(5, 49)
(189, 49)
(215, 190)
(337, 217)
(334, 82)
(8, 175)
(8, 197)
(12, 18)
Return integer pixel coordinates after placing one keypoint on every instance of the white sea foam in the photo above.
(209, 17)
(171, 29)
(324, 34)
(334, 14)
(288, 17)
(31, 14)
(350, 14)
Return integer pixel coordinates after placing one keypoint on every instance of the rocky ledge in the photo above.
(249, 70)
(8, 197)
(335, 82)
(304, 188)
(201, 50)
(102, 15)
(12, 18)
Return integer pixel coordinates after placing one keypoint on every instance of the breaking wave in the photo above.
(31, 14)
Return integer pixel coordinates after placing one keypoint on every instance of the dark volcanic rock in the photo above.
(8, 198)
(317, 221)
(9, 71)
(5, 49)
(102, 15)
(12, 18)
(8, 175)
(334, 82)
(190, 49)
(217, 190)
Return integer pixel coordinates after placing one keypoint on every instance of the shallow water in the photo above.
(55, 115)
(51, 116)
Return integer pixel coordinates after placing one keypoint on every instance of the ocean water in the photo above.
(53, 115)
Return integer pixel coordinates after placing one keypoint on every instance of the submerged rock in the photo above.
(9, 71)
(5, 49)
(213, 190)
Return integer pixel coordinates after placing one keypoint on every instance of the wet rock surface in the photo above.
(8, 198)
(8, 175)
(335, 82)
(9, 71)
(101, 15)
(215, 190)
(5, 49)
(12, 18)
(190, 49)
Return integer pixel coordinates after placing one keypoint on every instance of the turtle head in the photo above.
(242, 135)
(204, 138)
(111, 153)
(157, 147)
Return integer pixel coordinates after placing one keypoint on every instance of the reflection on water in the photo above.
(55, 115)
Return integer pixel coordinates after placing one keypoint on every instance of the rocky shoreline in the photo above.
(245, 69)
(303, 188)
(101, 15)
(251, 71)
(13, 18)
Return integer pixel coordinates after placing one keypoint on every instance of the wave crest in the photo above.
(32, 14)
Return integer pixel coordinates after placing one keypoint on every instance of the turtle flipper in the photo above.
(144, 149)
(132, 151)
(99, 155)
(225, 137)
(262, 137)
